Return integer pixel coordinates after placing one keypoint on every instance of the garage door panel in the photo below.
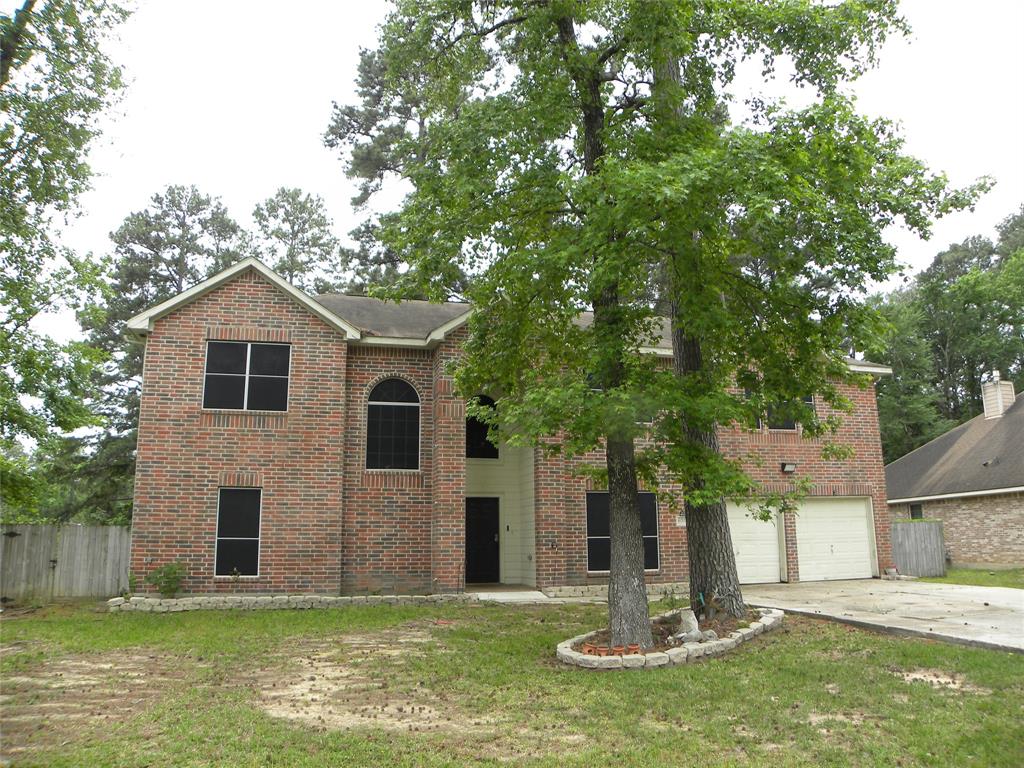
(756, 546)
(833, 539)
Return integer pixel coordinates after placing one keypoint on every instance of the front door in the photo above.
(482, 548)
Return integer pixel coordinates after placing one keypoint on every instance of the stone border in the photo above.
(770, 619)
(272, 602)
(600, 591)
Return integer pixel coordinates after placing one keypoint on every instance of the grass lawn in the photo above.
(982, 577)
(479, 685)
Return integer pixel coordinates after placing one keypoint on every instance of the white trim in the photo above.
(439, 333)
(394, 341)
(142, 323)
(659, 351)
(863, 366)
(259, 538)
(960, 495)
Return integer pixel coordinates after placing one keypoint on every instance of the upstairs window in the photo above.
(393, 426)
(478, 446)
(776, 421)
(599, 549)
(245, 376)
(238, 532)
(916, 512)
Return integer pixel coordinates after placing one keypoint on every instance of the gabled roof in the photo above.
(412, 320)
(365, 320)
(979, 457)
(142, 323)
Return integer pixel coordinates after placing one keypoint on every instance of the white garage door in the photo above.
(833, 539)
(756, 546)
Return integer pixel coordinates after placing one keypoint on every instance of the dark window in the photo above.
(916, 512)
(599, 553)
(243, 376)
(477, 444)
(393, 426)
(785, 422)
(238, 532)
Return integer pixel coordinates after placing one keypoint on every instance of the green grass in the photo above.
(813, 693)
(982, 577)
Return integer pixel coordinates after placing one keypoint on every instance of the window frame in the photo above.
(919, 509)
(656, 536)
(765, 422)
(497, 451)
(246, 376)
(258, 540)
(419, 427)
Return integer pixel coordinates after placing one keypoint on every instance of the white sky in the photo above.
(234, 96)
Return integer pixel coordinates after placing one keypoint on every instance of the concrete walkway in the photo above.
(988, 617)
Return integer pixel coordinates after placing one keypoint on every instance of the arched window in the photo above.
(393, 426)
(477, 444)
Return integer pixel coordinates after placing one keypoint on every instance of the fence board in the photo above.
(919, 548)
(46, 562)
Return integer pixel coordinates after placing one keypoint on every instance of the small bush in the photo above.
(167, 579)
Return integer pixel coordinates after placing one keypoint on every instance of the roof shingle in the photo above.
(979, 455)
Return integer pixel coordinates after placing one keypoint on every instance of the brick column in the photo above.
(549, 502)
(792, 561)
(448, 515)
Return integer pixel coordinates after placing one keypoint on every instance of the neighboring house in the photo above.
(972, 479)
(297, 443)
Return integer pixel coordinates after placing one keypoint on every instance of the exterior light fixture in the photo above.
(789, 467)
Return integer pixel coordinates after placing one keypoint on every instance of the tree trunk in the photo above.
(628, 613)
(714, 582)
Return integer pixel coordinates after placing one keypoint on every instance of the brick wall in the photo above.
(979, 530)
(387, 521)
(329, 524)
(863, 474)
(185, 453)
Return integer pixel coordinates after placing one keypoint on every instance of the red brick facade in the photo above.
(330, 525)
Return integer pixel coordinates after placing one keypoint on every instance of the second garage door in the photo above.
(833, 538)
(756, 546)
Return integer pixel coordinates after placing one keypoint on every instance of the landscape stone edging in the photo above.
(770, 619)
(272, 602)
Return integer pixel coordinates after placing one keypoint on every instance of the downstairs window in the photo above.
(599, 533)
(238, 532)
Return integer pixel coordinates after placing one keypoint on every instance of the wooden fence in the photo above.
(47, 562)
(919, 548)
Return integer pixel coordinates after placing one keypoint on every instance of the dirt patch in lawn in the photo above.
(936, 678)
(343, 683)
(59, 700)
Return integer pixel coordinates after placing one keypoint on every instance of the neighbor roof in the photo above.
(980, 456)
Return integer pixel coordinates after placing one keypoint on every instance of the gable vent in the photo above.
(996, 396)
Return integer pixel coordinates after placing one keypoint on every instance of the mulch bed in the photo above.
(663, 629)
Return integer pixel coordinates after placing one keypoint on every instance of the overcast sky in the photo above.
(234, 96)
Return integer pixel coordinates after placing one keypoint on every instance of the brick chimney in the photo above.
(996, 396)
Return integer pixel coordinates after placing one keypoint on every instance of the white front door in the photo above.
(834, 540)
(756, 545)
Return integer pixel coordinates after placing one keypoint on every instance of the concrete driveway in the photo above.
(989, 617)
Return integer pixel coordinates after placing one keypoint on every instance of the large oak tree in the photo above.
(578, 156)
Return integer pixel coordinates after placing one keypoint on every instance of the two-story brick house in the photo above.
(296, 443)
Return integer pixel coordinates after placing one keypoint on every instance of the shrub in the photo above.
(167, 579)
